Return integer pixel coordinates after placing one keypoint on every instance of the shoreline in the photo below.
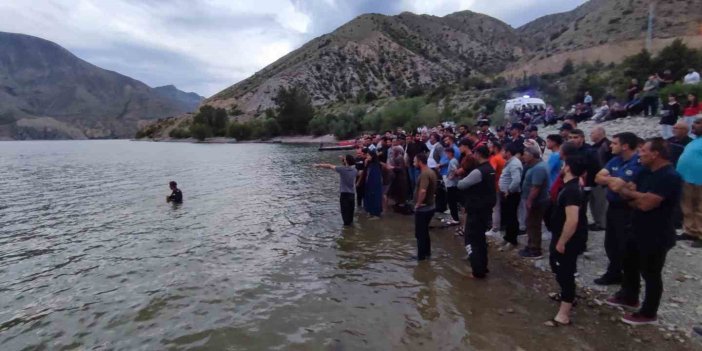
(294, 139)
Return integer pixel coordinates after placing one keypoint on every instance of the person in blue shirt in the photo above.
(553, 143)
(624, 165)
(690, 168)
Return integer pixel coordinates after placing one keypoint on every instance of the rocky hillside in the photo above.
(387, 55)
(190, 100)
(605, 30)
(48, 93)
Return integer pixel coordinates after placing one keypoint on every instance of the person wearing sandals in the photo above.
(569, 222)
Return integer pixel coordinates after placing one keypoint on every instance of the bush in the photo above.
(677, 58)
(568, 68)
(200, 131)
(179, 133)
(239, 131)
(681, 91)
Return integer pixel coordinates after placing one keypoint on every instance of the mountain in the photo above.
(388, 55)
(605, 30)
(46, 92)
(191, 100)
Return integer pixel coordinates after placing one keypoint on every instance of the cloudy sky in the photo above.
(206, 45)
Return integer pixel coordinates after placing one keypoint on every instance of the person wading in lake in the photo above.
(425, 206)
(347, 174)
(373, 189)
(479, 186)
(176, 196)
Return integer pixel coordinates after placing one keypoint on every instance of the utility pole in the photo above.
(649, 33)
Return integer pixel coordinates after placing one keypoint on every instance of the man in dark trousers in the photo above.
(424, 206)
(479, 186)
(653, 195)
(624, 165)
(347, 186)
(176, 196)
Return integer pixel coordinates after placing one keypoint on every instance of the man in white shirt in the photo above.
(692, 77)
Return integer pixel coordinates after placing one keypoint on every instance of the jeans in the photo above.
(346, 200)
(522, 214)
(617, 232)
(649, 265)
(421, 232)
(476, 244)
(510, 205)
(452, 197)
(413, 176)
(650, 105)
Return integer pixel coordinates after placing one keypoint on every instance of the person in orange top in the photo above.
(498, 163)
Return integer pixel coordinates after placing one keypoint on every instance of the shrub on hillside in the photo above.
(179, 133)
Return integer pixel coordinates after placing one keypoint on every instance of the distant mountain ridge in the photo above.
(46, 92)
(388, 55)
(190, 100)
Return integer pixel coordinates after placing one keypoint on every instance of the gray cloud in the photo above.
(207, 45)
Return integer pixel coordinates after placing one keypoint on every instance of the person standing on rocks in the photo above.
(653, 196)
(625, 165)
(479, 187)
(347, 186)
(510, 188)
(598, 196)
(650, 96)
(690, 168)
(535, 197)
(424, 208)
(569, 236)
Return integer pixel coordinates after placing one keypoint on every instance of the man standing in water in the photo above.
(479, 186)
(347, 184)
(176, 196)
(424, 208)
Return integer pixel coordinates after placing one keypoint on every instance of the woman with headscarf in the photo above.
(373, 197)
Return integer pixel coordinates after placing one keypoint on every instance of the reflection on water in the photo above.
(256, 258)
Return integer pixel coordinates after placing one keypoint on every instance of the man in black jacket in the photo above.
(479, 187)
(598, 195)
(577, 137)
(176, 196)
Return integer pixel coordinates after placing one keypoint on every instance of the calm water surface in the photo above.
(91, 257)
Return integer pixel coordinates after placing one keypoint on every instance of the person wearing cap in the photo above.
(484, 132)
(176, 196)
(479, 187)
(535, 195)
(347, 173)
(501, 135)
(516, 137)
(533, 133)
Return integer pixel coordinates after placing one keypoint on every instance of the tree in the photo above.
(677, 58)
(568, 68)
(294, 109)
(219, 122)
(200, 131)
(638, 66)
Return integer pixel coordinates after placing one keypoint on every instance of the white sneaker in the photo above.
(492, 233)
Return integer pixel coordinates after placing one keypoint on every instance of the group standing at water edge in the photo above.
(638, 192)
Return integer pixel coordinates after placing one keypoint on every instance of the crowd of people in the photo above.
(509, 181)
(641, 100)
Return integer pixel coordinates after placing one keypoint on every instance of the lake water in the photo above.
(92, 257)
